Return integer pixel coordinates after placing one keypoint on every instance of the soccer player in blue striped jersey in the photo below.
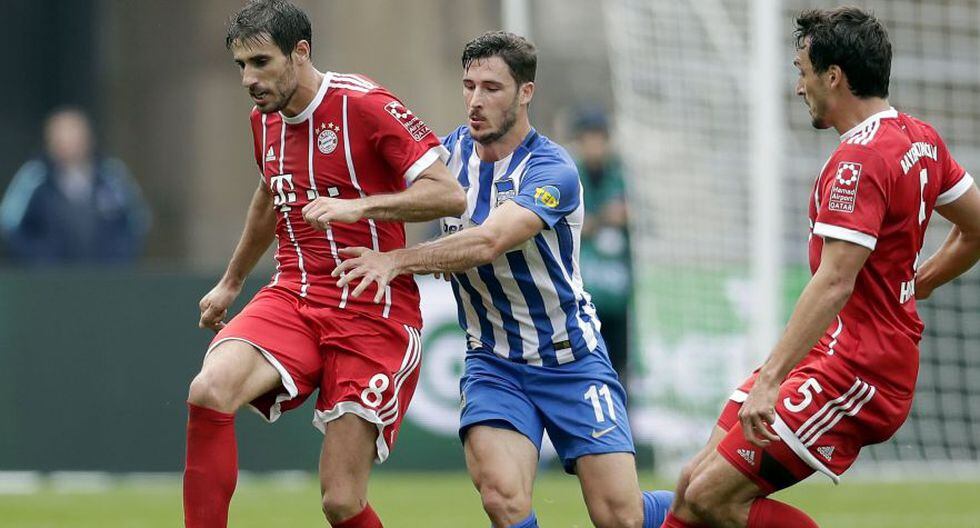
(536, 360)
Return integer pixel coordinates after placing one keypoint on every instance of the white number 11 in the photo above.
(593, 395)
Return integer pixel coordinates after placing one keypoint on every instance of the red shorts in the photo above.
(825, 414)
(362, 365)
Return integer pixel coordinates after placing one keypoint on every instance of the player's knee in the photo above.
(701, 498)
(503, 502)
(207, 391)
(339, 505)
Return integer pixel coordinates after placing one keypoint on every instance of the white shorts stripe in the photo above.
(407, 360)
(827, 406)
(852, 412)
(837, 409)
(390, 414)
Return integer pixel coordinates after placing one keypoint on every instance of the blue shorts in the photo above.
(581, 404)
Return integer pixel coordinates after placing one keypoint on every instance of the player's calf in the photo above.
(505, 502)
(345, 465)
(611, 491)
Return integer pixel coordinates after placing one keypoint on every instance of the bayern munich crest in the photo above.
(326, 139)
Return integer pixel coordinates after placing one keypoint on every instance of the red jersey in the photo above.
(878, 190)
(354, 139)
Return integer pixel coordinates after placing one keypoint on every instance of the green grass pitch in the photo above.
(434, 500)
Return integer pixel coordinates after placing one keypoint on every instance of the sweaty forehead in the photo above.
(488, 69)
(802, 57)
(260, 44)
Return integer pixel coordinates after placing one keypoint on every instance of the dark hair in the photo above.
(854, 40)
(277, 20)
(518, 52)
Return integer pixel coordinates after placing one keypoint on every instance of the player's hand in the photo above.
(758, 412)
(444, 275)
(371, 267)
(214, 306)
(322, 210)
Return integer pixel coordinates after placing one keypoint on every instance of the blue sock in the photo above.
(656, 504)
(532, 521)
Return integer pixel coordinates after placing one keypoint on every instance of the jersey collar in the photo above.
(884, 114)
(310, 108)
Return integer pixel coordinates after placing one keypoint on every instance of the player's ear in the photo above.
(526, 92)
(835, 76)
(301, 51)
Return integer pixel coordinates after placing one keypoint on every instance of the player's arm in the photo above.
(509, 226)
(258, 234)
(960, 251)
(435, 193)
(822, 299)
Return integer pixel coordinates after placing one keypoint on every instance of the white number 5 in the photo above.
(804, 389)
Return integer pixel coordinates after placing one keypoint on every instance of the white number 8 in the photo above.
(372, 395)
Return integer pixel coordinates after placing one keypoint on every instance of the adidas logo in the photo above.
(748, 455)
(826, 452)
(271, 155)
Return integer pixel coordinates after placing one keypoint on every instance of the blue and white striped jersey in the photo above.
(528, 305)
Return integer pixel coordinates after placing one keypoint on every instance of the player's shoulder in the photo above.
(354, 85)
(547, 156)
(456, 138)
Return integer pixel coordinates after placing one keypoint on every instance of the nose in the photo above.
(248, 77)
(476, 99)
(799, 88)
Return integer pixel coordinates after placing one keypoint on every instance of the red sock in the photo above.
(366, 519)
(767, 513)
(211, 468)
(672, 521)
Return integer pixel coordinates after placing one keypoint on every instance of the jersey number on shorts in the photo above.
(808, 385)
(372, 395)
(593, 395)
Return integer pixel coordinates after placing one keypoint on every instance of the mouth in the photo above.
(476, 120)
(259, 97)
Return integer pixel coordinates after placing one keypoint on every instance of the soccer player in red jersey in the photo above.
(842, 375)
(334, 152)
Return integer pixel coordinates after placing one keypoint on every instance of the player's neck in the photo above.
(857, 111)
(309, 84)
(504, 146)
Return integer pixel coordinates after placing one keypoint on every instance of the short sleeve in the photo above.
(550, 189)
(853, 192)
(404, 141)
(956, 181)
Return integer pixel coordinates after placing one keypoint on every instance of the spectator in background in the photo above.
(605, 253)
(71, 205)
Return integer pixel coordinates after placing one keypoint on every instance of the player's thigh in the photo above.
(493, 394)
(233, 373)
(583, 407)
(717, 434)
(266, 356)
(610, 486)
(370, 370)
(501, 461)
(719, 489)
